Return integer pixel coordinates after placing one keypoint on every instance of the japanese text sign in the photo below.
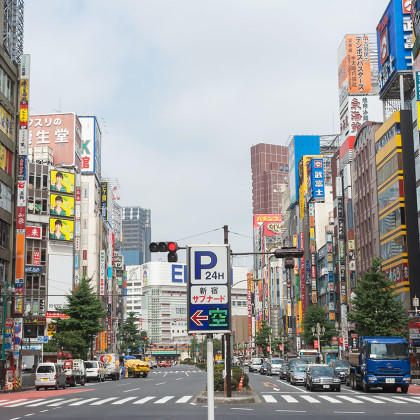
(209, 276)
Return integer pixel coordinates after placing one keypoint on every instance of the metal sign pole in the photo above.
(210, 378)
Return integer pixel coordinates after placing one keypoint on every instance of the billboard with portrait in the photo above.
(62, 182)
(61, 229)
(61, 205)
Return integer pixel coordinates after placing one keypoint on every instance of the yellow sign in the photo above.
(62, 182)
(62, 230)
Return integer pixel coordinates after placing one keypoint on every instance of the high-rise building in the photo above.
(270, 167)
(136, 235)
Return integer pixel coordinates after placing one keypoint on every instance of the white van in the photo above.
(256, 364)
(95, 370)
(49, 375)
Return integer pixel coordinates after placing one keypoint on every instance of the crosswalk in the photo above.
(339, 399)
(176, 371)
(76, 402)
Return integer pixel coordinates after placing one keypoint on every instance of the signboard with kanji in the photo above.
(209, 279)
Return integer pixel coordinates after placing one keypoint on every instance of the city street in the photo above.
(169, 393)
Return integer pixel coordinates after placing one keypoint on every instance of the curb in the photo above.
(251, 398)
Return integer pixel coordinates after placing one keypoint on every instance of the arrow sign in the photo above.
(197, 318)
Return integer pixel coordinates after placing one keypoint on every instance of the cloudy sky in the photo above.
(184, 88)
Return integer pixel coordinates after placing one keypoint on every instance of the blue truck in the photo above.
(382, 362)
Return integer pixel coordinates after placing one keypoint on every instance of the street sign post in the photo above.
(209, 279)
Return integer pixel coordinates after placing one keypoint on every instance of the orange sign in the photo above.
(358, 64)
(20, 255)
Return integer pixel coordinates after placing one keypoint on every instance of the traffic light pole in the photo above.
(228, 354)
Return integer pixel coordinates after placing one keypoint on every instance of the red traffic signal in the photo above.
(169, 247)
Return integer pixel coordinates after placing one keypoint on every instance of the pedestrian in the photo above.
(23, 366)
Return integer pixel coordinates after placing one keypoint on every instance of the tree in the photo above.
(193, 345)
(277, 342)
(76, 333)
(376, 312)
(217, 347)
(131, 336)
(262, 337)
(314, 315)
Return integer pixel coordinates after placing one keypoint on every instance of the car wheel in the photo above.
(338, 389)
(83, 381)
(64, 385)
(56, 386)
(292, 383)
(37, 388)
(311, 388)
(404, 389)
(365, 387)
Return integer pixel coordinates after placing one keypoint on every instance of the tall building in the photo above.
(270, 167)
(136, 235)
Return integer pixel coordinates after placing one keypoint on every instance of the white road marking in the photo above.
(84, 401)
(375, 401)
(178, 379)
(44, 402)
(276, 389)
(289, 398)
(100, 402)
(61, 402)
(183, 399)
(186, 373)
(143, 400)
(245, 409)
(28, 415)
(331, 399)
(26, 402)
(165, 374)
(349, 412)
(269, 399)
(161, 383)
(310, 399)
(134, 389)
(12, 401)
(124, 400)
(291, 411)
(402, 414)
(404, 398)
(164, 399)
(352, 400)
(391, 400)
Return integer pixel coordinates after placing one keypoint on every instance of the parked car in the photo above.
(168, 363)
(263, 368)
(322, 377)
(256, 363)
(162, 363)
(95, 371)
(49, 375)
(273, 366)
(154, 364)
(292, 364)
(340, 368)
(298, 375)
(283, 370)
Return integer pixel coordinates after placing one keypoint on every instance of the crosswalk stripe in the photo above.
(44, 402)
(100, 402)
(26, 402)
(124, 400)
(62, 402)
(310, 399)
(143, 400)
(391, 400)
(269, 399)
(375, 401)
(289, 398)
(164, 399)
(183, 399)
(331, 399)
(12, 401)
(84, 401)
(352, 400)
(408, 399)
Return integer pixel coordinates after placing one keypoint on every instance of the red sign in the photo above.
(78, 195)
(406, 5)
(36, 258)
(281, 347)
(33, 232)
(9, 322)
(316, 344)
(21, 218)
(340, 341)
(334, 338)
(53, 314)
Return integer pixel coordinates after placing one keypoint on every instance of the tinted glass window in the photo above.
(91, 365)
(45, 369)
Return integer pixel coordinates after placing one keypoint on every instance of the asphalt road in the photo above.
(169, 393)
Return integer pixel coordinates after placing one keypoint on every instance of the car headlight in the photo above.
(372, 379)
(316, 380)
(407, 379)
(336, 380)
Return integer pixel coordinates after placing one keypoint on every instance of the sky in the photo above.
(184, 88)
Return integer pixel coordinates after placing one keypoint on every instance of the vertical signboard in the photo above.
(102, 273)
(249, 304)
(209, 279)
(104, 200)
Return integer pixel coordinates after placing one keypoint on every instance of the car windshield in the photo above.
(91, 365)
(299, 368)
(257, 361)
(45, 369)
(388, 351)
(295, 362)
(341, 364)
(277, 361)
(329, 371)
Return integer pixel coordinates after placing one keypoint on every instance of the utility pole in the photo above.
(228, 355)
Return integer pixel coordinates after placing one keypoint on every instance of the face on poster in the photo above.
(61, 205)
(62, 182)
(61, 230)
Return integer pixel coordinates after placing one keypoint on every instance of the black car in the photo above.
(322, 377)
(283, 370)
(340, 369)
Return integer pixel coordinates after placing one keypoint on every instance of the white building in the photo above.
(163, 308)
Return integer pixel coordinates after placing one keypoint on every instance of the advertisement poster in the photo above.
(61, 205)
(61, 230)
(62, 182)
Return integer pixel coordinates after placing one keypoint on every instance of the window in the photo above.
(4, 234)
(389, 195)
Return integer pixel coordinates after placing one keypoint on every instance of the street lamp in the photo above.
(416, 303)
(318, 331)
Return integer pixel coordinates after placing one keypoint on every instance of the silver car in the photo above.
(49, 375)
(274, 365)
(298, 375)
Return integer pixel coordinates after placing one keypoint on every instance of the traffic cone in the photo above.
(241, 382)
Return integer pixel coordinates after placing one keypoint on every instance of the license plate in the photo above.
(390, 380)
(45, 379)
(325, 386)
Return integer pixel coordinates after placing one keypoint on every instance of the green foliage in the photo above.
(217, 347)
(193, 346)
(76, 333)
(315, 314)
(262, 338)
(131, 337)
(375, 311)
(237, 372)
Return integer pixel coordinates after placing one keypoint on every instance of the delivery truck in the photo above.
(112, 365)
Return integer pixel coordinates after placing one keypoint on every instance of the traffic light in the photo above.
(169, 247)
(288, 254)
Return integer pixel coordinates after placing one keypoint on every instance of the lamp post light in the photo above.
(416, 303)
(318, 331)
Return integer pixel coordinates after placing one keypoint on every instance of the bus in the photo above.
(312, 356)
